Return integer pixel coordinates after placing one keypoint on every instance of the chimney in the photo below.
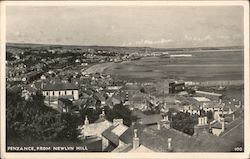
(220, 101)
(102, 116)
(133, 123)
(158, 126)
(205, 120)
(32, 85)
(136, 141)
(169, 143)
(222, 124)
(42, 86)
(166, 118)
(126, 99)
(200, 121)
(86, 121)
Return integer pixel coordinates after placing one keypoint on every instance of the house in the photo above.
(202, 126)
(43, 77)
(60, 89)
(139, 101)
(96, 129)
(139, 138)
(26, 94)
(112, 101)
(176, 86)
(64, 105)
(113, 133)
(218, 127)
(101, 98)
(224, 124)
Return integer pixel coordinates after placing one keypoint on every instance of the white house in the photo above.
(60, 90)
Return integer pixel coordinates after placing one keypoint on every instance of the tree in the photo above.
(184, 122)
(33, 121)
(120, 111)
(142, 90)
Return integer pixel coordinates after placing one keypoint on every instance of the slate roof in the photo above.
(157, 140)
(65, 101)
(108, 134)
(113, 100)
(96, 128)
(216, 125)
(127, 136)
(139, 114)
(151, 119)
(59, 86)
(232, 125)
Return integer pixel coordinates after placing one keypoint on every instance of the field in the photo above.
(202, 66)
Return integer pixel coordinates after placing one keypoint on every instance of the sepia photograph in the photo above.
(115, 77)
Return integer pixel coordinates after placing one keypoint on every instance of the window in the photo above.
(72, 92)
(53, 93)
(59, 93)
(47, 93)
(65, 92)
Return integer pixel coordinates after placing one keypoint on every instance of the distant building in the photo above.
(176, 87)
(43, 77)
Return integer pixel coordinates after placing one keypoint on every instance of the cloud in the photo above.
(148, 42)
(193, 38)
(127, 44)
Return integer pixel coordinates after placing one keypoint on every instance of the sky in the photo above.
(151, 26)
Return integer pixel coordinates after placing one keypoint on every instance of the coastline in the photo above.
(98, 68)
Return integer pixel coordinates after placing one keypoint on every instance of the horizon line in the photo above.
(93, 45)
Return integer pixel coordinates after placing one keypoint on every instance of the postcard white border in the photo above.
(228, 155)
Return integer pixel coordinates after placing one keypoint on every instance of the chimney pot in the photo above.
(135, 133)
(205, 120)
(199, 121)
(136, 141)
(158, 126)
(222, 125)
(86, 121)
(169, 143)
(220, 101)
